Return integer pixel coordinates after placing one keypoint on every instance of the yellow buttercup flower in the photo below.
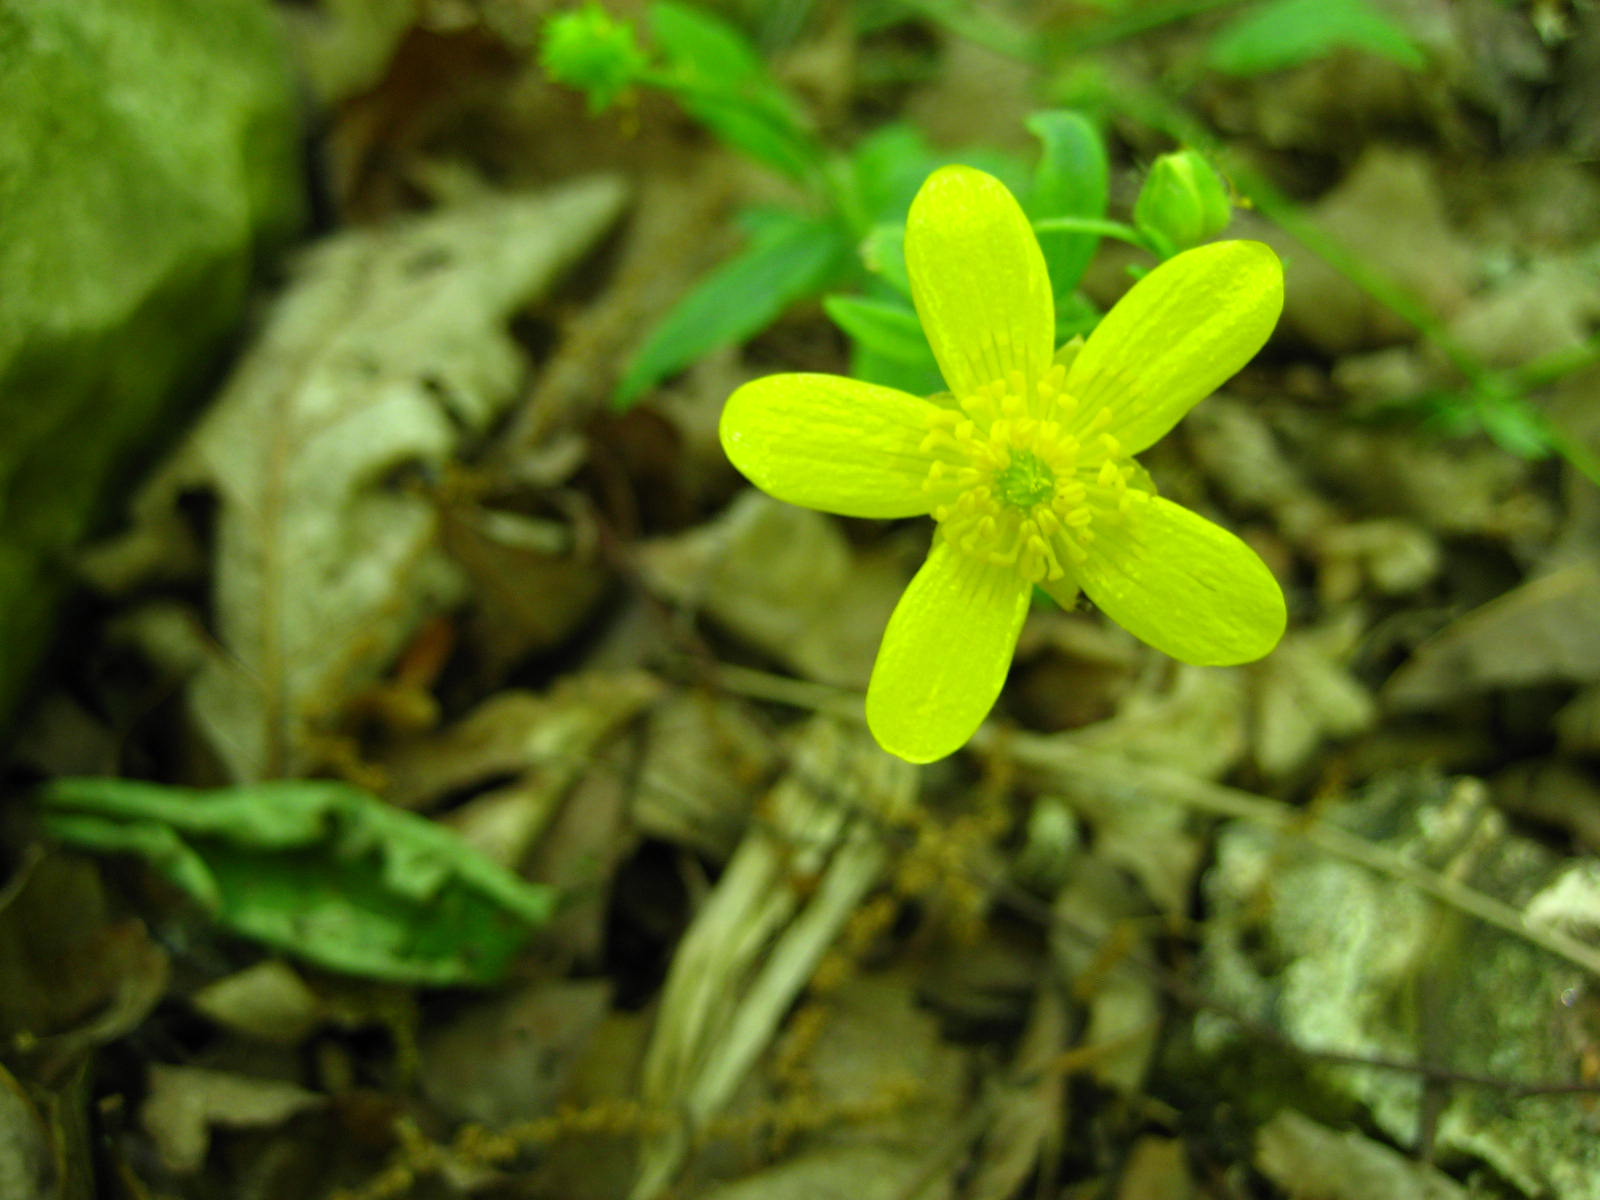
(1027, 463)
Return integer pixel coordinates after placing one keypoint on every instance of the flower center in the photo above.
(1026, 481)
(1021, 478)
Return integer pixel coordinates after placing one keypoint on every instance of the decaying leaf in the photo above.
(509, 1058)
(390, 349)
(797, 876)
(186, 1102)
(702, 754)
(1546, 631)
(1312, 1162)
(786, 580)
(75, 977)
(268, 1001)
(30, 1160)
(1031, 1110)
(1304, 695)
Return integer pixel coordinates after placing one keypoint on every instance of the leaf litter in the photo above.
(1164, 931)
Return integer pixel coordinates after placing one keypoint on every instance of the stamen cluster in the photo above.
(1016, 480)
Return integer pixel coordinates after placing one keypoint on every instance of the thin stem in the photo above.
(1111, 229)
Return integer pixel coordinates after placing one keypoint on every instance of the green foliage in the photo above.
(886, 327)
(318, 869)
(851, 234)
(1183, 202)
(720, 78)
(591, 50)
(1072, 179)
(1286, 33)
(793, 256)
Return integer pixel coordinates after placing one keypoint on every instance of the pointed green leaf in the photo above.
(885, 327)
(794, 257)
(1072, 179)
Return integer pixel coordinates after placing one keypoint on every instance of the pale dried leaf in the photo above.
(758, 938)
(185, 1103)
(509, 1058)
(1312, 1162)
(269, 1001)
(1545, 631)
(1305, 695)
(787, 581)
(1029, 1113)
(391, 346)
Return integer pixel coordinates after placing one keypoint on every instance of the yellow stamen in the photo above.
(1012, 486)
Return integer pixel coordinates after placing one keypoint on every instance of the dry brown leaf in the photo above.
(389, 349)
(1030, 1114)
(703, 753)
(510, 1058)
(1390, 207)
(1312, 1162)
(787, 581)
(1546, 631)
(185, 1103)
(759, 936)
(1305, 695)
(268, 1001)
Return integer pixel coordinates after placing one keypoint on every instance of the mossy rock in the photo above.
(148, 157)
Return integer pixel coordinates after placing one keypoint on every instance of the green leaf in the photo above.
(720, 78)
(884, 254)
(888, 166)
(318, 869)
(885, 327)
(1072, 179)
(1287, 33)
(872, 367)
(1514, 425)
(791, 259)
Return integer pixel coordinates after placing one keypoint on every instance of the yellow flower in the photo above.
(1027, 463)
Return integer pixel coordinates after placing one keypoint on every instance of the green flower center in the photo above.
(1025, 481)
(1021, 477)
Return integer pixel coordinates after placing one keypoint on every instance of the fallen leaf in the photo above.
(510, 1058)
(1312, 1162)
(787, 581)
(1545, 631)
(268, 1001)
(391, 346)
(185, 1103)
(1305, 695)
(761, 933)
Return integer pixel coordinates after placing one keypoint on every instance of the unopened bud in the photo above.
(1184, 201)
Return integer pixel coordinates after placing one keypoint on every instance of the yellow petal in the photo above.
(1187, 587)
(945, 654)
(824, 441)
(978, 280)
(1179, 333)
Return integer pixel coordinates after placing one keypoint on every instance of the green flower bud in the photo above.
(1184, 201)
(590, 49)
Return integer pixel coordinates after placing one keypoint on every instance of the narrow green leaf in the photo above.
(721, 79)
(888, 166)
(887, 328)
(790, 260)
(919, 379)
(884, 254)
(1072, 179)
(1287, 33)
